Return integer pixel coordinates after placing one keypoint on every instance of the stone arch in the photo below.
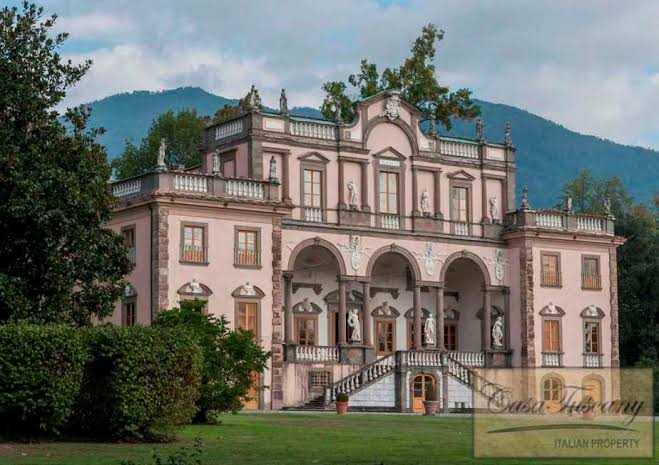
(317, 241)
(393, 248)
(470, 256)
(409, 132)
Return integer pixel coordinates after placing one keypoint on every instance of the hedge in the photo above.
(141, 384)
(41, 371)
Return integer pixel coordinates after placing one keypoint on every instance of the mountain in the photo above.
(548, 154)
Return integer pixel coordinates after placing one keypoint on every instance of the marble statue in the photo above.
(195, 286)
(507, 136)
(607, 205)
(497, 332)
(494, 209)
(162, 152)
(568, 204)
(425, 203)
(283, 103)
(392, 107)
(216, 163)
(429, 328)
(353, 322)
(499, 264)
(480, 127)
(273, 170)
(525, 198)
(433, 124)
(352, 194)
(429, 259)
(336, 106)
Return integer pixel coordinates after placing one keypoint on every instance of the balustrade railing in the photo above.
(591, 281)
(245, 188)
(589, 223)
(461, 229)
(552, 359)
(246, 257)
(419, 358)
(551, 279)
(549, 220)
(592, 360)
(316, 354)
(129, 187)
(390, 221)
(228, 129)
(191, 183)
(193, 253)
(458, 149)
(315, 130)
(313, 214)
(367, 374)
(559, 220)
(470, 359)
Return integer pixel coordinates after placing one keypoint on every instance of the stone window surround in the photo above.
(544, 253)
(599, 271)
(392, 321)
(560, 333)
(315, 165)
(400, 170)
(554, 376)
(204, 238)
(257, 230)
(306, 316)
(313, 371)
(185, 295)
(599, 334)
(252, 300)
(467, 184)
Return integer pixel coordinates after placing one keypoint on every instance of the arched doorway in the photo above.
(422, 385)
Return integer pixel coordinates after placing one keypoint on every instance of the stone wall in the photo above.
(379, 394)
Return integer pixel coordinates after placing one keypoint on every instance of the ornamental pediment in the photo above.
(314, 156)
(460, 175)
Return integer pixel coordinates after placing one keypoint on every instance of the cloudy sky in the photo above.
(591, 65)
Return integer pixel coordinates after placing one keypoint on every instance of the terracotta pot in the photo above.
(341, 407)
(430, 407)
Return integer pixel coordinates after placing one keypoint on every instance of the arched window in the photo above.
(247, 300)
(552, 344)
(129, 306)
(194, 290)
(552, 389)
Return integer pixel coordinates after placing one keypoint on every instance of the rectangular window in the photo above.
(410, 334)
(389, 193)
(247, 317)
(459, 205)
(450, 336)
(590, 273)
(194, 247)
(385, 336)
(319, 379)
(129, 314)
(592, 337)
(305, 330)
(551, 274)
(247, 248)
(551, 334)
(312, 188)
(128, 235)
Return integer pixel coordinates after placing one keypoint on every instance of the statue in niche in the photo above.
(353, 322)
(273, 170)
(494, 209)
(480, 128)
(216, 163)
(497, 332)
(425, 203)
(356, 251)
(283, 103)
(352, 194)
(429, 327)
(162, 152)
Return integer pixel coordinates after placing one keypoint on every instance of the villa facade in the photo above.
(370, 257)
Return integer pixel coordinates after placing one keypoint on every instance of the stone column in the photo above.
(366, 313)
(487, 332)
(506, 318)
(342, 313)
(439, 317)
(418, 343)
(288, 308)
(364, 186)
(286, 178)
(437, 194)
(342, 189)
(415, 192)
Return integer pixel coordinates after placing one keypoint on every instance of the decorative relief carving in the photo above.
(552, 310)
(592, 311)
(394, 292)
(385, 311)
(316, 287)
(428, 257)
(307, 307)
(356, 252)
(392, 106)
(499, 263)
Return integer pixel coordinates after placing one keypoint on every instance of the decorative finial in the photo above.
(480, 127)
(273, 170)
(162, 152)
(283, 103)
(508, 135)
(525, 198)
(607, 206)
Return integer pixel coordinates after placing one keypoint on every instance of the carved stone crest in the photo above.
(356, 251)
(392, 107)
(247, 289)
(428, 257)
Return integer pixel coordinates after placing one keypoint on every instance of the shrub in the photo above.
(230, 357)
(141, 384)
(41, 371)
(342, 397)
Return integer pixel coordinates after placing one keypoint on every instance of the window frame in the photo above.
(228, 157)
(130, 228)
(559, 276)
(314, 164)
(391, 155)
(387, 175)
(598, 262)
(598, 323)
(456, 334)
(132, 301)
(379, 321)
(557, 321)
(461, 184)
(204, 239)
(554, 387)
(306, 317)
(248, 301)
(237, 230)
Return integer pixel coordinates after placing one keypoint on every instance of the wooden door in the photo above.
(253, 393)
(421, 385)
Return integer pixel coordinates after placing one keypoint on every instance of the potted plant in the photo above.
(341, 403)
(430, 403)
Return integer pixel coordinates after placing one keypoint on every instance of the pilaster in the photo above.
(527, 317)
(277, 349)
(159, 260)
(613, 290)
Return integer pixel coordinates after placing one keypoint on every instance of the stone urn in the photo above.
(430, 403)
(341, 403)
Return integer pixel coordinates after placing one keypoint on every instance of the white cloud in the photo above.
(587, 65)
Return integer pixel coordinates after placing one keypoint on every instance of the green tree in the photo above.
(589, 193)
(183, 132)
(416, 78)
(226, 113)
(230, 357)
(58, 263)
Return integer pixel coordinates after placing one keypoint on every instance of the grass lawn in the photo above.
(265, 439)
